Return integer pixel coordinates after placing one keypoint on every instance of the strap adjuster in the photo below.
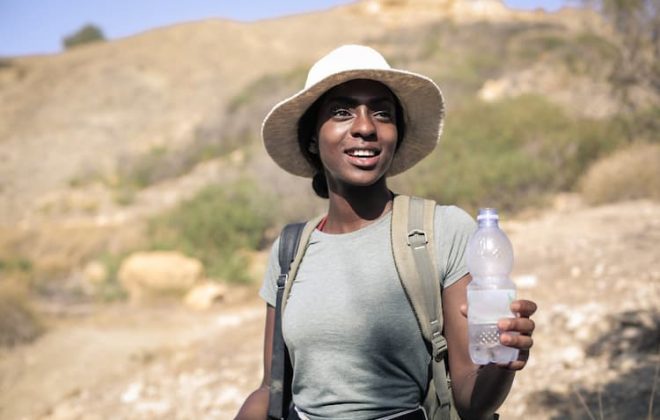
(282, 279)
(439, 344)
(417, 238)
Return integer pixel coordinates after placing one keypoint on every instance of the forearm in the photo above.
(479, 394)
(255, 406)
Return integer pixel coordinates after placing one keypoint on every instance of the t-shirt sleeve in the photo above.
(453, 228)
(268, 291)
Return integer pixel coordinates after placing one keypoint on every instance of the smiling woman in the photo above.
(347, 322)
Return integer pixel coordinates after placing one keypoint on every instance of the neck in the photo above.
(352, 208)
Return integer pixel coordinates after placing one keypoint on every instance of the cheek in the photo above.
(330, 136)
(332, 132)
(392, 138)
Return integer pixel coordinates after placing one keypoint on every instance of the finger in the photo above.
(523, 326)
(517, 364)
(524, 308)
(518, 341)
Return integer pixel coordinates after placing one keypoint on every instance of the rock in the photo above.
(576, 321)
(572, 356)
(576, 272)
(132, 393)
(95, 273)
(147, 275)
(203, 296)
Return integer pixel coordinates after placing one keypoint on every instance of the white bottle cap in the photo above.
(487, 216)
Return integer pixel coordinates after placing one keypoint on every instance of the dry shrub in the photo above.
(18, 322)
(628, 174)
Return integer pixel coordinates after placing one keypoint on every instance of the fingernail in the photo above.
(505, 339)
(504, 324)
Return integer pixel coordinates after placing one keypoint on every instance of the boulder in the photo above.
(203, 296)
(146, 275)
(94, 273)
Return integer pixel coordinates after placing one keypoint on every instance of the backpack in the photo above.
(412, 234)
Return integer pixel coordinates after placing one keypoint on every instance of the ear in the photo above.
(313, 146)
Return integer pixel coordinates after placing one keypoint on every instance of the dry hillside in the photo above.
(77, 117)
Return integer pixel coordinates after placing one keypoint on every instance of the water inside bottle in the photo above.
(485, 346)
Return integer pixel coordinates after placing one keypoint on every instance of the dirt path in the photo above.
(128, 363)
(595, 273)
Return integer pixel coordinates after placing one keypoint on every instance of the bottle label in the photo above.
(488, 306)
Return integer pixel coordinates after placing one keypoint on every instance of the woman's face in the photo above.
(357, 133)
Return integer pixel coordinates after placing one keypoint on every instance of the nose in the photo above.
(363, 126)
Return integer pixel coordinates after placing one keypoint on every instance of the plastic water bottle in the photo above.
(491, 291)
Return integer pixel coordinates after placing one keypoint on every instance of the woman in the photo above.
(351, 333)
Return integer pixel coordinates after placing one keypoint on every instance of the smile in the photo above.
(362, 153)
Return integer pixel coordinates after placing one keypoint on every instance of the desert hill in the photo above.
(78, 116)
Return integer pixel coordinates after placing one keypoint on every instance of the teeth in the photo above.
(363, 153)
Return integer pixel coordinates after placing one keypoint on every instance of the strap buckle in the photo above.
(439, 345)
(282, 279)
(417, 238)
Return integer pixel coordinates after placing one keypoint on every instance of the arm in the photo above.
(256, 404)
(479, 390)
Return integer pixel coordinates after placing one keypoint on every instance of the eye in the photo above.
(340, 112)
(383, 115)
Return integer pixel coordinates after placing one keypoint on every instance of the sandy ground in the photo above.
(595, 273)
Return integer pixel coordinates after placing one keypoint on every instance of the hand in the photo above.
(516, 332)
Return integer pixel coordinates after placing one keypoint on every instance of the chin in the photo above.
(364, 181)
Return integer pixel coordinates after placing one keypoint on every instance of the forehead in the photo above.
(360, 90)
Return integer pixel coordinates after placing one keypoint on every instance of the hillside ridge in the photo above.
(83, 113)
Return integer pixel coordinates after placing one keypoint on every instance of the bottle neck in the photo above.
(487, 217)
(488, 223)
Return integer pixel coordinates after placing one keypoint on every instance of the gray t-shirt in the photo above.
(357, 350)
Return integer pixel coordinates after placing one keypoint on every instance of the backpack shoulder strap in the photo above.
(413, 234)
(295, 263)
(293, 242)
(280, 364)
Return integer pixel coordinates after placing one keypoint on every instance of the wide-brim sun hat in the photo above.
(420, 98)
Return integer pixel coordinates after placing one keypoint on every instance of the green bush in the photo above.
(17, 264)
(509, 154)
(215, 225)
(110, 290)
(85, 35)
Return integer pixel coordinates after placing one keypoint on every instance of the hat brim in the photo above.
(420, 98)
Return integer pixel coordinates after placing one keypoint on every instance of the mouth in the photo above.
(362, 153)
(364, 158)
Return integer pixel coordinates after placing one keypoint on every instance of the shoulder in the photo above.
(453, 228)
(453, 219)
(274, 252)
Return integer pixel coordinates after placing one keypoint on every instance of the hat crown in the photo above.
(346, 58)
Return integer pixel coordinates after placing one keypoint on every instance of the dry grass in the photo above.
(631, 173)
(18, 322)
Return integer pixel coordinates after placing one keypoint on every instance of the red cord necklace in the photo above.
(322, 223)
